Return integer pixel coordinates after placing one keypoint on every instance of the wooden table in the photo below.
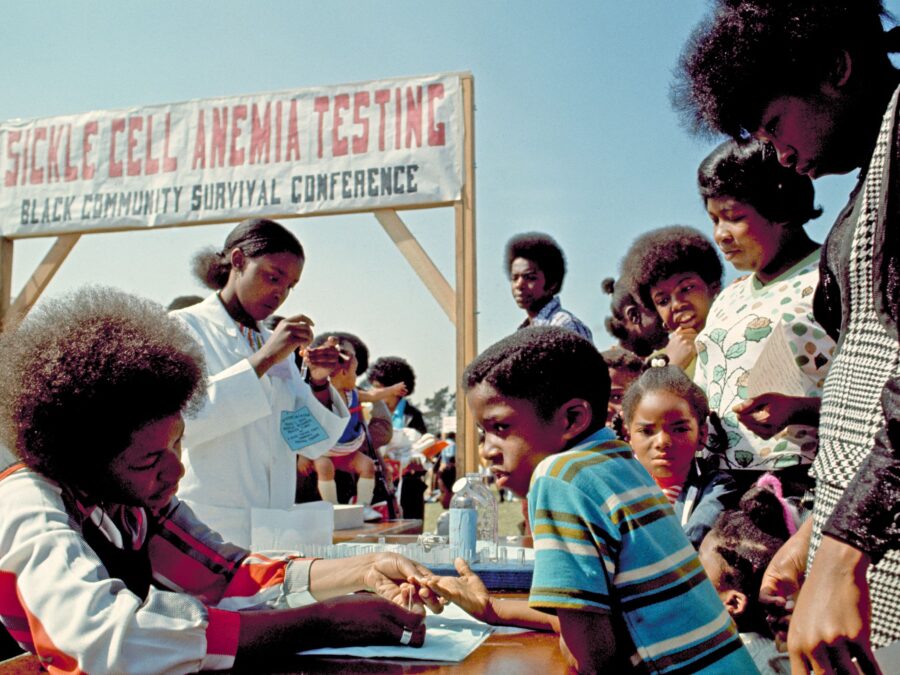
(517, 654)
(385, 527)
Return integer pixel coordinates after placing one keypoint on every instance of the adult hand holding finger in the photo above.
(389, 571)
(467, 591)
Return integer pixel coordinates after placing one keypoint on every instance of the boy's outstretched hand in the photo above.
(467, 591)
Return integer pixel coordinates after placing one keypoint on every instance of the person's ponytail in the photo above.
(212, 268)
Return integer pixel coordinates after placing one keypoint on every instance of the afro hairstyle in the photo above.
(546, 366)
(751, 173)
(543, 251)
(746, 53)
(389, 370)
(662, 253)
(82, 373)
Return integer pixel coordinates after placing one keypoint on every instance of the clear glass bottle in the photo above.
(488, 516)
(463, 530)
(475, 495)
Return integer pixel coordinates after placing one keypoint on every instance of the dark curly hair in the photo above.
(547, 366)
(674, 380)
(362, 352)
(746, 53)
(662, 253)
(255, 237)
(747, 538)
(390, 370)
(627, 323)
(82, 373)
(751, 173)
(617, 358)
(543, 251)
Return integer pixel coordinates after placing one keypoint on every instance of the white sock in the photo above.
(328, 491)
(365, 488)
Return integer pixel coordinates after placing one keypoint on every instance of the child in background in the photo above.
(611, 560)
(637, 328)
(665, 416)
(624, 368)
(735, 554)
(349, 453)
(677, 271)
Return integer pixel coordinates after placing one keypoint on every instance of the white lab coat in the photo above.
(235, 456)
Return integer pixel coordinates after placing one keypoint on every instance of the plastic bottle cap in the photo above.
(459, 485)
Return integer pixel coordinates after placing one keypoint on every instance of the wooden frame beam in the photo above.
(419, 260)
(42, 275)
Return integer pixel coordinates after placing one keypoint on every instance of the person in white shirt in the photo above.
(261, 418)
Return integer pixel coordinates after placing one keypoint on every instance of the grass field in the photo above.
(510, 517)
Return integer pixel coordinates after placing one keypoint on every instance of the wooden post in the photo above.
(6, 263)
(45, 271)
(466, 295)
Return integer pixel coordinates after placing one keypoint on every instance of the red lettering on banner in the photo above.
(115, 167)
(12, 176)
(260, 135)
(339, 144)
(25, 157)
(293, 143)
(382, 96)
(277, 131)
(361, 141)
(436, 132)
(37, 174)
(151, 165)
(236, 158)
(321, 107)
(134, 165)
(87, 169)
(170, 164)
(219, 137)
(70, 172)
(53, 154)
(414, 116)
(199, 158)
(398, 112)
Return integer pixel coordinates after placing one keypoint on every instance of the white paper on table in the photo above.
(776, 369)
(291, 529)
(449, 636)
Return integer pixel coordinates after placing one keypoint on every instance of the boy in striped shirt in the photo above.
(611, 560)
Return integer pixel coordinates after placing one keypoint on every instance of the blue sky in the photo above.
(574, 137)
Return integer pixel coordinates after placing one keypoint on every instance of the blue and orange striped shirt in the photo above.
(607, 540)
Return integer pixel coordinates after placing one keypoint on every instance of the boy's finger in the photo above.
(462, 567)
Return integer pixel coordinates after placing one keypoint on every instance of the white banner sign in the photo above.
(351, 147)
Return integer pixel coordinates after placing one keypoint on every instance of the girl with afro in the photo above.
(677, 271)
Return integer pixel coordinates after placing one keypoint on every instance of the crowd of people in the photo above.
(717, 492)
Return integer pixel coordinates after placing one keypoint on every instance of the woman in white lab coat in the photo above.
(241, 450)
